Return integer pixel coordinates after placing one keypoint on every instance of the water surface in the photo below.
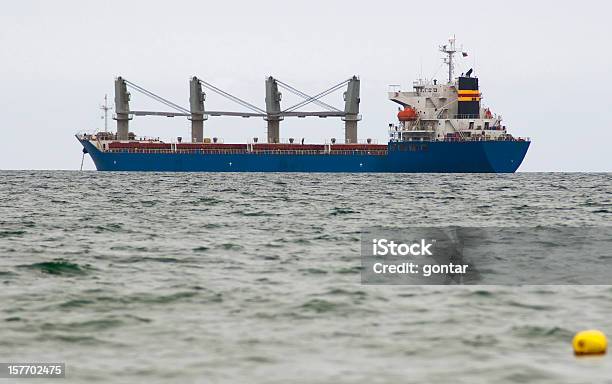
(253, 278)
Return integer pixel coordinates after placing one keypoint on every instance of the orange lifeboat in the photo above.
(408, 114)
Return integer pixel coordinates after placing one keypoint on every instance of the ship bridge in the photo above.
(436, 110)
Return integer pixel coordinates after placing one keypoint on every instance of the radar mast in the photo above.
(105, 108)
(450, 49)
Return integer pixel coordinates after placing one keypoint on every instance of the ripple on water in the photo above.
(313, 271)
(480, 340)
(535, 307)
(12, 233)
(111, 227)
(137, 259)
(72, 339)
(89, 325)
(76, 303)
(345, 292)
(59, 267)
(320, 306)
(150, 298)
(231, 246)
(209, 201)
(350, 270)
(541, 332)
(341, 211)
(255, 213)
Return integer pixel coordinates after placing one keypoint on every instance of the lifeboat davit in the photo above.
(408, 114)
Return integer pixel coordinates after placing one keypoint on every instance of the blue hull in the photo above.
(412, 157)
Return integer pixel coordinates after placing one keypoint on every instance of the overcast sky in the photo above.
(543, 65)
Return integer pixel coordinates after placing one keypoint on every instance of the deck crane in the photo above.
(273, 113)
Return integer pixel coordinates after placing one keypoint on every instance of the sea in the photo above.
(255, 278)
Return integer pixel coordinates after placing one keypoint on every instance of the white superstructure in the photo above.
(445, 111)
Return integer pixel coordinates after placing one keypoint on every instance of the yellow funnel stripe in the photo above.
(469, 92)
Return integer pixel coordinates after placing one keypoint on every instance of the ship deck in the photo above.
(255, 148)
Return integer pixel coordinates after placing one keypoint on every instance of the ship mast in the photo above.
(449, 49)
(105, 108)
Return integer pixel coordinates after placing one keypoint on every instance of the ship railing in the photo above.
(331, 141)
(282, 140)
(318, 152)
(247, 152)
(461, 139)
(150, 139)
(155, 139)
(467, 116)
(480, 138)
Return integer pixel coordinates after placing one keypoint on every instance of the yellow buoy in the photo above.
(591, 342)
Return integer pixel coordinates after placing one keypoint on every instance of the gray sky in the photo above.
(543, 65)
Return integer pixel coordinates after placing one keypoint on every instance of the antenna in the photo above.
(449, 50)
(105, 108)
(421, 71)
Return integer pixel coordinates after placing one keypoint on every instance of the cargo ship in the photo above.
(441, 127)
